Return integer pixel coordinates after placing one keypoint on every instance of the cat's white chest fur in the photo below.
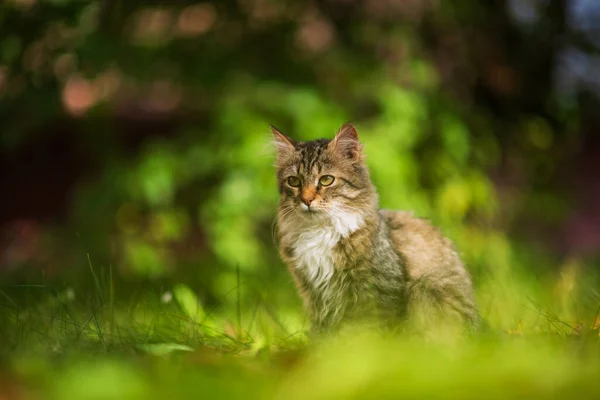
(313, 241)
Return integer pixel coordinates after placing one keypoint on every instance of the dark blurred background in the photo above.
(134, 135)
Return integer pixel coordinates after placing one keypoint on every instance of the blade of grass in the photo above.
(95, 278)
(238, 303)
(8, 298)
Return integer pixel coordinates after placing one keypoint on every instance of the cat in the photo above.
(352, 262)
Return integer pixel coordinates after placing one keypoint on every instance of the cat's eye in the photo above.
(293, 181)
(326, 180)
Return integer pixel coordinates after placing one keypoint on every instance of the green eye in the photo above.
(293, 181)
(326, 180)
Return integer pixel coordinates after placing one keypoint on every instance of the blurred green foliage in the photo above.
(137, 158)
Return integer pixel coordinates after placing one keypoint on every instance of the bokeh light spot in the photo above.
(195, 20)
(78, 95)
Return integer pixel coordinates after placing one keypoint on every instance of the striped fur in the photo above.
(351, 261)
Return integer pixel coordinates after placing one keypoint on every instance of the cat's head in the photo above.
(324, 177)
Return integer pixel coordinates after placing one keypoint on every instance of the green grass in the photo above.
(61, 344)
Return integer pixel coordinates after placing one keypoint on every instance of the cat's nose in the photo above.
(308, 195)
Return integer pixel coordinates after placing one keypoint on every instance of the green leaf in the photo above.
(188, 302)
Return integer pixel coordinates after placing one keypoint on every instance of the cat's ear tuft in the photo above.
(286, 146)
(346, 142)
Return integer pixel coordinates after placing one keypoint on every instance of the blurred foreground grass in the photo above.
(363, 366)
(78, 346)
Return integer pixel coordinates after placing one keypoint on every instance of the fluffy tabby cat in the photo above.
(351, 261)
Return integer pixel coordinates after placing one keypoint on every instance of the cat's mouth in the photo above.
(309, 210)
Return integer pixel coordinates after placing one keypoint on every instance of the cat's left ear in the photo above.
(346, 142)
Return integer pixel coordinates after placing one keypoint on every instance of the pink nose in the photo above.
(307, 200)
(308, 195)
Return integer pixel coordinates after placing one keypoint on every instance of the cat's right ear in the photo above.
(286, 146)
(346, 142)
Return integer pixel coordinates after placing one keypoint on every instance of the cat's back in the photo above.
(422, 248)
(435, 273)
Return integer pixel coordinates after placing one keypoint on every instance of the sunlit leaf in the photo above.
(161, 349)
(188, 302)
